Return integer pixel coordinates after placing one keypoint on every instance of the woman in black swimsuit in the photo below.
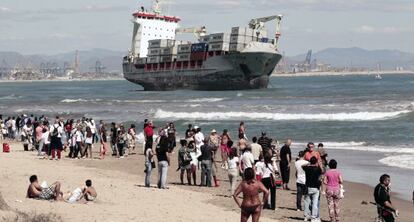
(251, 204)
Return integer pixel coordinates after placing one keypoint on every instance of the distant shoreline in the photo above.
(310, 74)
(59, 80)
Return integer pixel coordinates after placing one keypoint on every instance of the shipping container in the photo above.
(242, 39)
(243, 31)
(168, 58)
(153, 59)
(237, 47)
(169, 50)
(264, 40)
(141, 60)
(219, 37)
(218, 47)
(158, 43)
(204, 39)
(195, 56)
(183, 57)
(186, 48)
(154, 52)
(199, 47)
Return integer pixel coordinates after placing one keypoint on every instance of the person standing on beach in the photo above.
(206, 163)
(184, 162)
(311, 152)
(88, 143)
(233, 169)
(313, 172)
(251, 204)
(266, 143)
(285, 159)
(242, 131)
(382, 197)
(56, 145)
(163, 161)
(214, 142)
(247, 159)
(149, 163)
(256, 150)
(114, 135)
(149, 134)
(268, 180)
(131, 138)
(103, 139)
(198, 137)
(192, 149)
(39, 141)
(333, 180)
(300, 180)
(224, 148)
(189, 131)
(79, 141)
(121, 140)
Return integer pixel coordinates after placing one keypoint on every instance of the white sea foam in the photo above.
(110, 101)
(73, 100)
(201, 100)
(401, 161)
(358, 116)
(362, 146)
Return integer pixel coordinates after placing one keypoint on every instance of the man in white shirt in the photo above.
(199, 137)
(256, 150)
(300, 180)
(247, 159)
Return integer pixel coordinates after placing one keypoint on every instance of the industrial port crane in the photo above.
(258, 25)
(197, 31)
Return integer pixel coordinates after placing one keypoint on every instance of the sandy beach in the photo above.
(122, 197)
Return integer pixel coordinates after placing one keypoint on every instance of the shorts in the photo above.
(186, 167)
(47, 193)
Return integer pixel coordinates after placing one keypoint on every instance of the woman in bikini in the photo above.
(251, 204)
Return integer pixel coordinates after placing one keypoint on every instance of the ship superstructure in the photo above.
(243, 59)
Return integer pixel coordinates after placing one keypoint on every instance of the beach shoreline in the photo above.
(128, 174)
(312, 74)
(59, 80)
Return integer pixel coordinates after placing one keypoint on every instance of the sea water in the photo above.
(366, 124)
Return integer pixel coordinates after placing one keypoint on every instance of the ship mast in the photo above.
(156, 8)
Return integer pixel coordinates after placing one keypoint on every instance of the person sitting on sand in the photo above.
(80, 195)
(251, 204)
(89, 192)
(35, 191)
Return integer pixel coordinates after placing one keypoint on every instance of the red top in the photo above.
(149, 131)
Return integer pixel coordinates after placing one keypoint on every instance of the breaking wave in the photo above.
(362, 146)
(401, 161)
(201, 100)
(358, 116)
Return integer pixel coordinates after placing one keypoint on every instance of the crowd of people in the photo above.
(261, 164)
(50, 137)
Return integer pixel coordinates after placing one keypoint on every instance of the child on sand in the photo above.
(89, 192)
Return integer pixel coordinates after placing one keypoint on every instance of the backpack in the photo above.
(55, 132)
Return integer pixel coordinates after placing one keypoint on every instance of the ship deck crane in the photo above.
(258, 24)
(197, 31)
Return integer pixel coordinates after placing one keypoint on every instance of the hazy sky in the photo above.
(50, 26)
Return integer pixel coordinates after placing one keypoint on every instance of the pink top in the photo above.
(332, 177)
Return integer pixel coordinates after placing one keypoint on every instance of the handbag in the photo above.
(153, 165)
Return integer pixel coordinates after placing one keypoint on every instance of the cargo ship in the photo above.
(240, 60)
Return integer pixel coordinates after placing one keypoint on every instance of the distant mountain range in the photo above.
(360, 58)
(112, 60)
